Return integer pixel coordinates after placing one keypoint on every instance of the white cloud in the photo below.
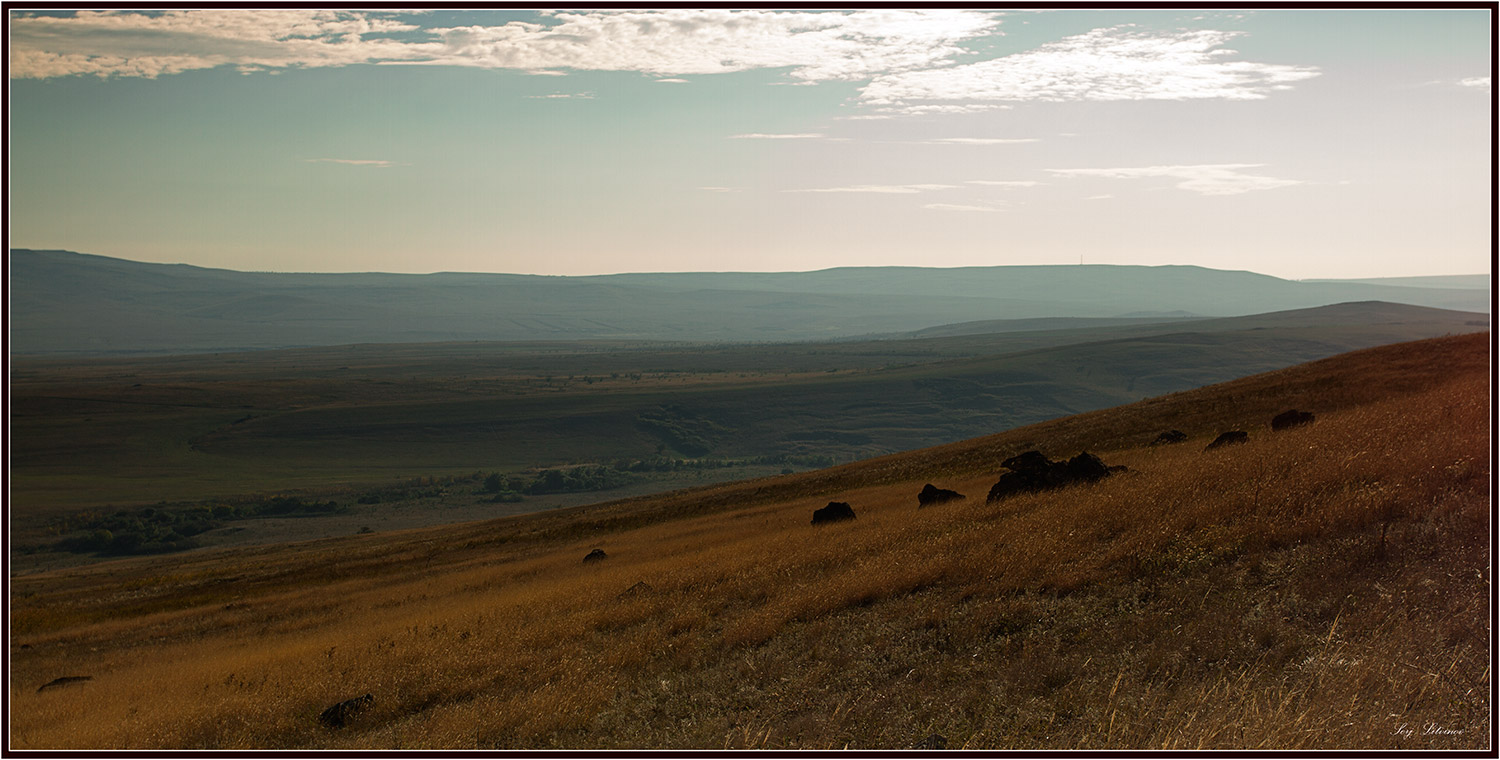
(983, 140)
(812, 46)
(720, 189)
(1004, 182)
(1208, 179)
(1483, 82)
(673, 80)
(120, 43)
(563, 95)
(786, 136)
(1104, 64)
(352, 162)
(957, 207)
(875, 189)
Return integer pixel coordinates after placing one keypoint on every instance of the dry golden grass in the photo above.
(1323, 587)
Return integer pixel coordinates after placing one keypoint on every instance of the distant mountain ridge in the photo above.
(66, 302)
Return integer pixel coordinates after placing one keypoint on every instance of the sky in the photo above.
(1297, 143)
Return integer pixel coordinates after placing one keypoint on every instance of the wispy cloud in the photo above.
(711, 189)
(1115, 63)
(874, 189)
(352, 162)
(983, 140)
(957, 207)
(784, 136)
(565, 95)
(1003, 182)
(1477, 82)
(673, 80)
(1208, 179)
(895, 112)
(811, 46)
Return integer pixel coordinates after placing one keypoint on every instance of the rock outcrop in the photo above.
(836, 511)
(931, 494)
(1033, 471)
(1170, 436)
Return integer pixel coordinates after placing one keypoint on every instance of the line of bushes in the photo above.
(154, 530)
(621, 472)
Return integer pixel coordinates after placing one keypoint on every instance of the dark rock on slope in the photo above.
(1291, 418)
(1033, 471)
(931, 494)
(836, 511)
(1229, 439)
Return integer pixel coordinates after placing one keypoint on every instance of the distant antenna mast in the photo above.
(1080, 259)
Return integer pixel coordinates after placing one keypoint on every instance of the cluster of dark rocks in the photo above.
(1288, 419)
(1033, 471)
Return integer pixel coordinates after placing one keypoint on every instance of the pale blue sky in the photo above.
(1298, 143)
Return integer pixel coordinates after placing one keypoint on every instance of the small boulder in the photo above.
(836, 511)
(58, 683)
(1228, 439)
(931, 494)
(340, 714)
(1291, 418)
(596, 555)
(1170, 436)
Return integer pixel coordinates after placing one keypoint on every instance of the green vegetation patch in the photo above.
(163, 528)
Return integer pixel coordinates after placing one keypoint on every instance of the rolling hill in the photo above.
(65, 302)
(1322, 587)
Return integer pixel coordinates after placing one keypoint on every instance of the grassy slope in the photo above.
(1237, 598)
(141, 430)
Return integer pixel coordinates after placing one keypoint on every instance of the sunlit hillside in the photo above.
(1324, 586)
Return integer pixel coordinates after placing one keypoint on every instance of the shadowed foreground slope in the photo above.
(1319, 587)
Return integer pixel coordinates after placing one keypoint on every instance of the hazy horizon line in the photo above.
(744, 271)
